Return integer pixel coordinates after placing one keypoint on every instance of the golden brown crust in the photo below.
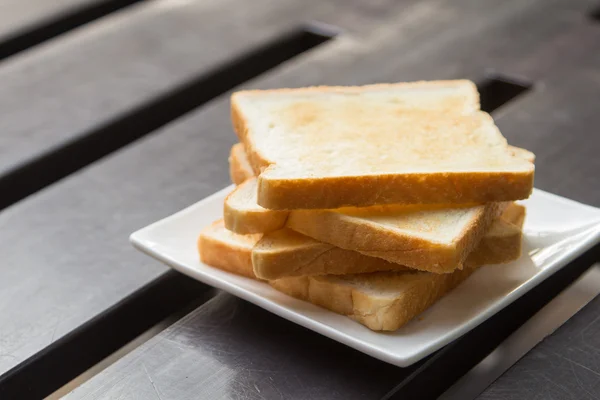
(225, 255)
(239, 162)
(247, 220)
(376, 240)
(417, 292)
(317, 258)
(313, 258)
(368, 190)
(382, 315)
(379, 313)
(324, 192)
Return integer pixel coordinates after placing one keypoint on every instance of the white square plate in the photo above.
(556, 230)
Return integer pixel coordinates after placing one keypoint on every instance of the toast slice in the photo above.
(243, 214)
(382, 301)
(385, 301)
(226, 250)
(430, 238)
(433, 238)
(379, 300)
(239, 165)
(286, 253)
(240, 169)
(422, 142)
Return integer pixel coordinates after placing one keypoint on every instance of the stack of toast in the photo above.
(371, 201)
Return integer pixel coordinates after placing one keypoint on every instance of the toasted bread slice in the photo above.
(379, 300)
(382, 301)
(454, 96)
(385, 301)
(434, 238)
(429, 238)
(329, 147)
(239, 165)
(226, 250)
(286, 253)
(243, 214)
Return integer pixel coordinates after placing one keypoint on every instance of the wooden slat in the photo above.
(24, 24)
(74, 100)
(67, 258)
(563, 366)
(233, 349)
(229, 346)
(187, 160)
(561, 121)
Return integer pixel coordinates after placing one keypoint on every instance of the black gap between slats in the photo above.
(441, 370)
(595, 14)
(497, 90)
(157, 112)
(68, 357)
(46, 30)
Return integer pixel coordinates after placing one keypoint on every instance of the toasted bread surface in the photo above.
(430, 238)
(456, 96)
(382, 301)
(286, 253)
(223, 249)
(327, 148)
(435, 239)
(243, 215)
(379, 300)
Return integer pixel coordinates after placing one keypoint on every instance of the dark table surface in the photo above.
(115, 114)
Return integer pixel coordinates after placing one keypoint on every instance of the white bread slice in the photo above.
(382, 301)
(433, 238)
(430, 238)
(453, 96)
(226, 250)
(329, 147)
(243, 214)
(236, 253)
(286, 253)
(239, 165)
(385, 301)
